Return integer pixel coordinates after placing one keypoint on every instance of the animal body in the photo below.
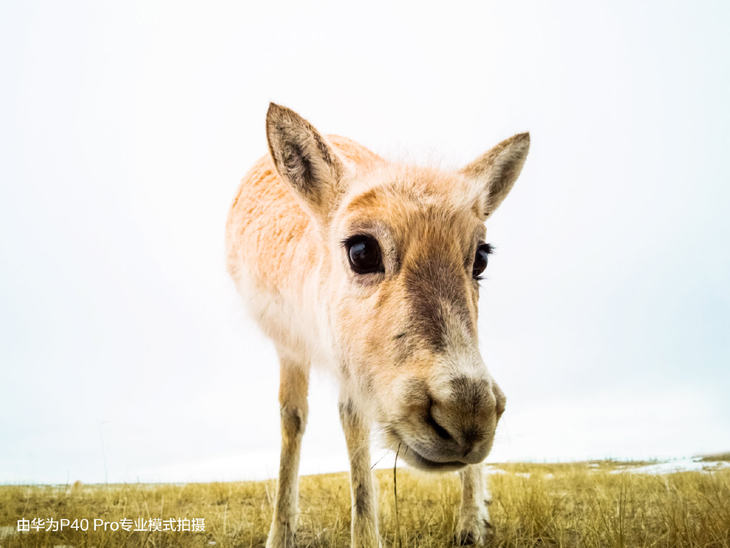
(370, 269)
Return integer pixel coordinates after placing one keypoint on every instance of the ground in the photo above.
(601, 503)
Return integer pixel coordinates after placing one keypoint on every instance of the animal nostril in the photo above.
(500, 399)
(440, 430)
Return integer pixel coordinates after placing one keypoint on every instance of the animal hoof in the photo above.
(464, 538)
(281, 539)
(480, 533)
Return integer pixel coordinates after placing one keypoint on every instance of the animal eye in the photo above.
(481, 259)
(363, 252)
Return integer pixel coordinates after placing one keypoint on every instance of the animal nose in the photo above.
(462, 441)
(466, 420)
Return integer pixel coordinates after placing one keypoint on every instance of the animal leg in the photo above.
(364, 530)
(293, 387)
(474, 526)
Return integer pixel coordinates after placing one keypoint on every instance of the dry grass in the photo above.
(557, 505)
(717, 457)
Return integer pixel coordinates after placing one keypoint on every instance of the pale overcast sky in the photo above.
(126, 126)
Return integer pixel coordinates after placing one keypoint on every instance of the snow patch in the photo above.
(692, 464)
(493, 470)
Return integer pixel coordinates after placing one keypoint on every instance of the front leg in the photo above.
(364, 530)
(293, 386)
(474, 526)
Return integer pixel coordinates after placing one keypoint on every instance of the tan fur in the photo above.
(402, 341)
(294, 381)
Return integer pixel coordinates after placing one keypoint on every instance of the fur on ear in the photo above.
(497, 170)
(303, 158)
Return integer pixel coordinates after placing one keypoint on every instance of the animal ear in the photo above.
(496, 171)
(303, 158)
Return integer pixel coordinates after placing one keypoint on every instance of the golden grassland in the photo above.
(576, 504)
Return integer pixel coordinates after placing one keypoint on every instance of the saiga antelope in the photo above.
(370, 269)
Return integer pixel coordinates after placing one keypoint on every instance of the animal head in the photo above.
(405, 249)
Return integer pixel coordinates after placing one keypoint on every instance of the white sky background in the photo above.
(125, 128)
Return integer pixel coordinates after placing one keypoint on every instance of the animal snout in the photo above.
(462, 425)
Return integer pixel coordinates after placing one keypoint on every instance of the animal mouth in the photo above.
(417, 460)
